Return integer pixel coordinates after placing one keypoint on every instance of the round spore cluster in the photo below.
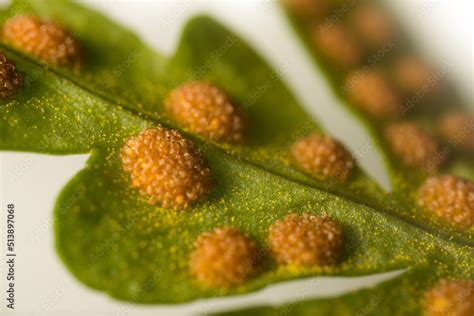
(206, 110)
(457, 129)
(223, 258)
(450, 298)
(337, 44)
(322, 157)
(414, 147)
(166, 168)
(10, 78)
(373, 93)
(306, 240)
(450, 198)
(47, 40)
(372, 25)
(412, 74)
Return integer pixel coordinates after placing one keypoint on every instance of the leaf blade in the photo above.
(279, 189)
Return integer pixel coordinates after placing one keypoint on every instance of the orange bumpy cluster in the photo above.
(372, 25)
(458, 130)
(373, 93)
(322, 157)
(223, 258)
(206, 110)
(412, 74)
(337, 44)
(166, 167)
(46, 40)
(414, 147)
(306, 240)
(10, 78)
(450, 198)
(450, 298)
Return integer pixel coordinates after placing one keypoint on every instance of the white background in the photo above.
(32, 182)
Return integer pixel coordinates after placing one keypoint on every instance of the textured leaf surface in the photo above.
(112, 240)
(419, 107)
(400, 296)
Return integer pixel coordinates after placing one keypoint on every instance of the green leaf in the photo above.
(420, 107)
(113, 241)
(127, 73)
(53, 115)
(126, 80)
(384, 299)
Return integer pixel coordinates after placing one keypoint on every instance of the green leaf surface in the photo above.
(113, 241)
(53, 115)
(125, 242)
(424, 107)
(400, 296)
